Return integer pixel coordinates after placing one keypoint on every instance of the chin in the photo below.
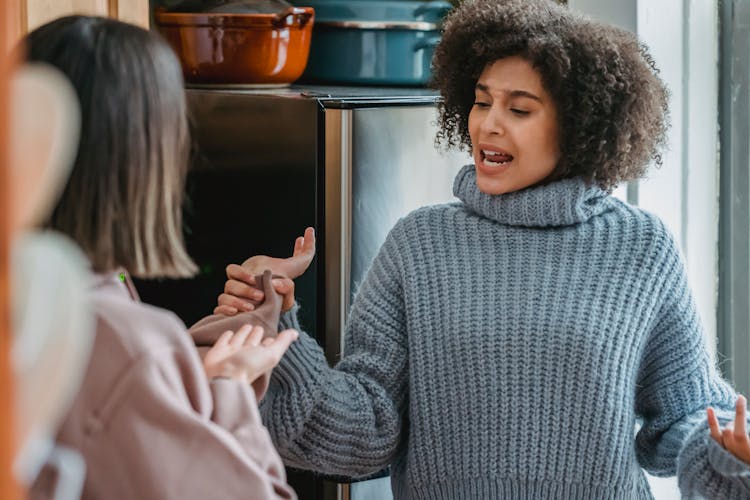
(493, 186)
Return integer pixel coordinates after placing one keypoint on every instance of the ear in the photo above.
(45, 124)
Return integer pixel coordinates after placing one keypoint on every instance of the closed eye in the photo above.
(480, 104)
(519, 112)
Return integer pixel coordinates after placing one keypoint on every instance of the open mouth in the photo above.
(495, 158)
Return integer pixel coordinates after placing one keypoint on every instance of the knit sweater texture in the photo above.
(541, 344)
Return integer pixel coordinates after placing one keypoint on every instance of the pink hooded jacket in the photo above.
(149, 423)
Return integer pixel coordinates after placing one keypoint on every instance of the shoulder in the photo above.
(135, 328)
(421, 227)
(642, 222)
(426, 216)
(649, 238)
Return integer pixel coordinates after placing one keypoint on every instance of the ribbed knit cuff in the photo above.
(302, 366)
(289, 319)
(725, 463)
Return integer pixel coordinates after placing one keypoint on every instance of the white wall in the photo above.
(683, 38)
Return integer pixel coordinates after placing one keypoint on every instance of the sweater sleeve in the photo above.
(347, 420)
(183, 437)
(677, 381)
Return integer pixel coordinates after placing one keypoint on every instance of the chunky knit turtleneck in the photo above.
(563, 203)
(510, 347)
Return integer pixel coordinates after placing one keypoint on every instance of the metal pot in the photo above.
(374, 42)
(239, 48)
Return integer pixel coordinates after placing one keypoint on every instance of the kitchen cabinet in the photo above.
(31, 14)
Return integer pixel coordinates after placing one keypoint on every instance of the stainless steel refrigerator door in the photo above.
(381, 163)
(396, 169)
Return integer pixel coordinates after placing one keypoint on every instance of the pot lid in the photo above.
(384, 11)
(230, 6)
(260, 14)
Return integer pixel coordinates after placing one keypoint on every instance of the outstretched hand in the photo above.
(246, 356)
(240, 293)
(734, 436)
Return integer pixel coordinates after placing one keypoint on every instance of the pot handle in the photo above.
(437, 7)
(426, 43)
(302, 15)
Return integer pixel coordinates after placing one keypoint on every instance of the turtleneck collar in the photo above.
(561, 203)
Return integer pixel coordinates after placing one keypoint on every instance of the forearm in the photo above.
(336, 421)
(673, 442)
(208, 330)
(706, 469)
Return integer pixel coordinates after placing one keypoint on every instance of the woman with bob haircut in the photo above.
(508, 345)
(151, 420)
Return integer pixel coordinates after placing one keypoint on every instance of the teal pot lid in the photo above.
(383, 11)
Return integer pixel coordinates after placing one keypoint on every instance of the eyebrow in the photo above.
(512, 93)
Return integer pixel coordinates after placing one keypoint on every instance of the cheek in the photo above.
(473, 125)
(543, 140)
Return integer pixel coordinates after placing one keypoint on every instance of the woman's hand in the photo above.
(240, 293)
(245, 356)
(734, 436)
(292, 267)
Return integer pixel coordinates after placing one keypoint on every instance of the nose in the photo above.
(493, 123)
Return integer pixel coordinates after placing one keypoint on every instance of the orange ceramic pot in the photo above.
(240, 48)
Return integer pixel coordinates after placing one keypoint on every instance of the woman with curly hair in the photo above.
(509, 344)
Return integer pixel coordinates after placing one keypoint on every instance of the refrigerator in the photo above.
(269, 162)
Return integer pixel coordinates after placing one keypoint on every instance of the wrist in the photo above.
(217, 372)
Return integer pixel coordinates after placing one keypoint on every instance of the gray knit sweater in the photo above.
(542, 344)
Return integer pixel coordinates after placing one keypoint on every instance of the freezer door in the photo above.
(380, 164)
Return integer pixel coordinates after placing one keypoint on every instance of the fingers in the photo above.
(242, 290)
(259, 359)
(283, 285)
(727, 438)
(225, 310)
(287, 302)
(224, 339)
(304, 246)
(308, 245)
(230, 301)
(740, 428)
(239, 273)
(713, 425)
(239, 338)
(281, 343)
(303, 255)
(256, 335)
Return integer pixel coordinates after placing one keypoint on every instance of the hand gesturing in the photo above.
(734, 436)
(240, 293)
(246, 356)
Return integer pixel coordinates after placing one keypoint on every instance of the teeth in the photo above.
(495, 163)
(490, 153)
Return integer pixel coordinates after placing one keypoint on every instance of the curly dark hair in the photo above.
(611, 103)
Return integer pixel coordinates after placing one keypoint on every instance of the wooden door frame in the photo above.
(10, 30)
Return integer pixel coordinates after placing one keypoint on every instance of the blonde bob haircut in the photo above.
(123, 201)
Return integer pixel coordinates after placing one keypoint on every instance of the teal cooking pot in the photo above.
(375, 42)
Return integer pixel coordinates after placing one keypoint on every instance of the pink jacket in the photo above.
(148, 422)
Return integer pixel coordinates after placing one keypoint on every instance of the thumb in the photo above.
(283, 285)
(282, 342)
